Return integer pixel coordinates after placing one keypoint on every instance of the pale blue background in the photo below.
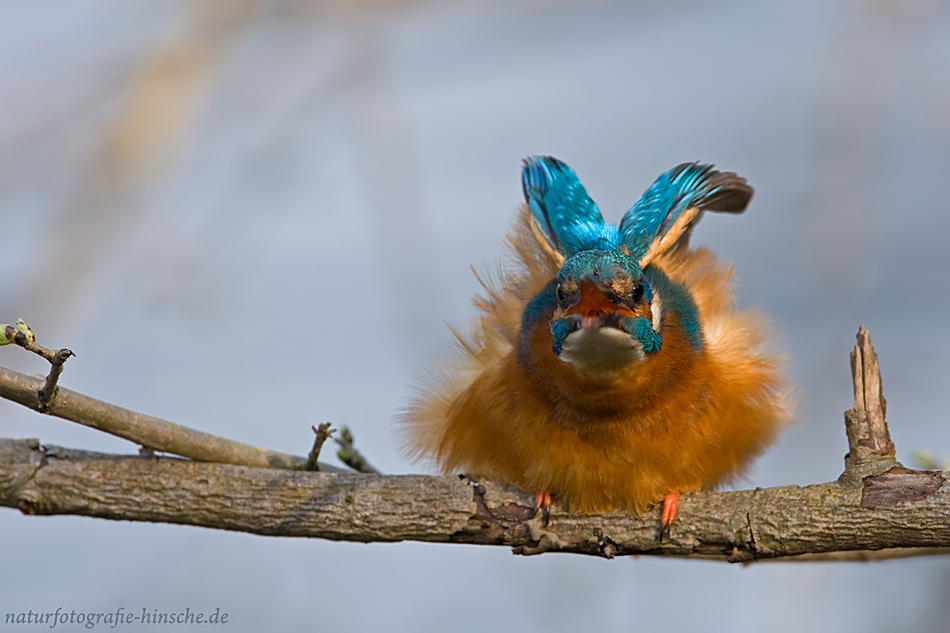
(287, 250)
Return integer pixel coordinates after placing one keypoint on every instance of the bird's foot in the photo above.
(668, 514)
(542, 502)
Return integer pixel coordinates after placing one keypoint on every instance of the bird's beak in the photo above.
(593, 305)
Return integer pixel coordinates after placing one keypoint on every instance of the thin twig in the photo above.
(350, 456)
(48, 390)
(21, 334)
(321, 436)
(145, 430)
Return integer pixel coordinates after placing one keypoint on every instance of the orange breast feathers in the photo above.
(683, 419)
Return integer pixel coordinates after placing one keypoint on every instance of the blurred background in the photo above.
(253, 216)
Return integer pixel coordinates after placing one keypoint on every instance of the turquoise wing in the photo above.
(568, 218)
(685, 186)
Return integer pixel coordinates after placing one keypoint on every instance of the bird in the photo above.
(608, 367)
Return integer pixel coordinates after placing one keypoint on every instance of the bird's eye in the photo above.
(559, 291)
(637, 293)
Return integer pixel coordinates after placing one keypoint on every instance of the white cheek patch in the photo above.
(600, 352)
(656, 307)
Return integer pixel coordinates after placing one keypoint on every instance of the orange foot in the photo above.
(668, 515)
(542, 502)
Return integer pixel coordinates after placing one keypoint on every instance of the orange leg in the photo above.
(670, 505)
(542, 502)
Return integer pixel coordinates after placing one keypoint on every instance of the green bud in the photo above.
(10, 332)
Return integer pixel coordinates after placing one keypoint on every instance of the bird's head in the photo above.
(608, 313)
(604, 318)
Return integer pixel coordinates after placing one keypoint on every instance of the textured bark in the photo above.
(743, 526)
(877, 508)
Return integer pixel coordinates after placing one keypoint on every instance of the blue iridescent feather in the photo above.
(572, 223)
(685, 186)
(568, 217)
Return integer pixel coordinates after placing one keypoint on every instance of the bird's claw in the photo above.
(668, 514)
(542, 502)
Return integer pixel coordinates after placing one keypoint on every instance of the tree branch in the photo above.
(321, 436)
(876, 509)
(906, 510)
(350, 456)
(22, 335)
(146, 430)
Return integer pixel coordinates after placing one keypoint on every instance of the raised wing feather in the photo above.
(568, 218)
(657, 219)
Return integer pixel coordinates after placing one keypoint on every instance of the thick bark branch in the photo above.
(877, 508)
(900, 509)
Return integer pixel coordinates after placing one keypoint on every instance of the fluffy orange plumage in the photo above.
(681, 420)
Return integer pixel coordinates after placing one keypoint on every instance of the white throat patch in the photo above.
(601, 352)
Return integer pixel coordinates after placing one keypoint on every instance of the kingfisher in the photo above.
(608, 367)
